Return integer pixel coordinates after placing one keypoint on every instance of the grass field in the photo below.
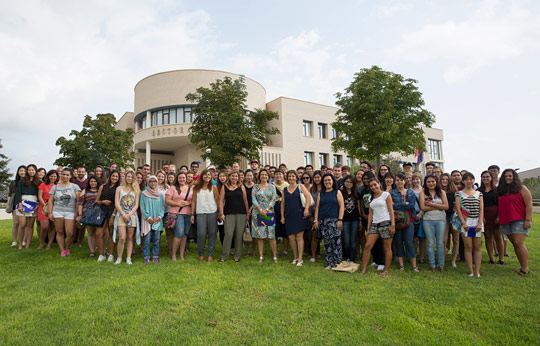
(46, 299)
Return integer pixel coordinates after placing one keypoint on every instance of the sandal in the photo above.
(275, 260)
(221, 261)
(416, 270)
(92, 255)
(201, 259)
(402, 268)
(522, 272)
(237, 260)
(383, 273)
(261, 259)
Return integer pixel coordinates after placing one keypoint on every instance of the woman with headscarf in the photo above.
(152, 210)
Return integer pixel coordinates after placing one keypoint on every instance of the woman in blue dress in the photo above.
(295, 216)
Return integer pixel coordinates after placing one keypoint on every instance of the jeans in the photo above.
(206, 225)
(405, 237)
(154, 235)
(183, 224)
(434, 230)
(350, 233)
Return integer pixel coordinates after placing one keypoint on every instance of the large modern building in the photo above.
(162, 117)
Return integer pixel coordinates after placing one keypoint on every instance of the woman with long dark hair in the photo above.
(515, 215)
(249, 183)
(27, 195)
(383, 170)
(447, 185)
(221, 181)
(205, 204)
(263, 199)
(419, 241)
(315, 191)
(47, 229)
(351, 217)
(105, 199)
(179, 197)
(63, 201)
(492, 232)
(434, 203)
(389, 182)
(11, 205)
(87, 200)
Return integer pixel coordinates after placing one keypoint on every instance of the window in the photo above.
(323, 159)
(322, 130)
(308, 158)
(334, 133)
(187, 115)
(349, 161)
(165, 116)
(434, 149)
(154, 119)
(306, 128)
(338, 159)
(143, 122)
(159, 118)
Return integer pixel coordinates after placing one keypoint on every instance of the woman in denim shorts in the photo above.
(515, 215)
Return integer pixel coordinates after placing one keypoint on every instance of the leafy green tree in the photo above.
(4, 171)
(380, 112)
(98, 143)
(533, 184)
(223, 125)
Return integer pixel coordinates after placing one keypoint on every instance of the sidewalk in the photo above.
(4, 215)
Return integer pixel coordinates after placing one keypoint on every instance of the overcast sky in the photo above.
(477, 62)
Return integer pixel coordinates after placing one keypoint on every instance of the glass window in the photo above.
(349, 161)
(159, 118)
(337, 159)
(165, 116)
(154, 119)
(334, 133)
(187, 115)
(434, 149)
(323, 159)
(306, 128)
(143, 122)
(172, 115)
(322, 130)
(180, 115)
(308, 158)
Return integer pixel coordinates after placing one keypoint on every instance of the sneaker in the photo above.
(471, 275)
(23, 243)
(156, 260)
(147, 260)
(110, 259)
(373, 264)
(449, 252)
(454, 265)
(128, 260)
(118, 260)
(101, 258)
(295, 261)
(14, 243)
(312, 260)
(68, 252)
(63, 254)
(380, 267)
(284, 254)
(478, 276)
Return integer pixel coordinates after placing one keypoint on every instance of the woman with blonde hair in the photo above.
(126, 201)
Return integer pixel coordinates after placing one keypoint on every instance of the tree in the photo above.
(4, 171)
(98, 143)
(223, 125)
(379, 113)
(533, 184)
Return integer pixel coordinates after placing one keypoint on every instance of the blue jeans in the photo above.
(350, 233)
(155, 235)
(434, 230)
(405, 237)
(183, 224)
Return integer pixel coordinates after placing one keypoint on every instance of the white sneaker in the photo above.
(128, 260)
(373, 264)
(299, 264)
(14, 243)
(111, 258)
(118, 260)
(23, 243)
(294, 261)
(101, 258)
(449, 252)
(312, 260)
(380, 267)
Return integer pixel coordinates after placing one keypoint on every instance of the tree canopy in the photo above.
(223, 125)
(4, 170)
(98, 143)
(380, 112)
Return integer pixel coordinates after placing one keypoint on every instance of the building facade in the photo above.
(162, 117)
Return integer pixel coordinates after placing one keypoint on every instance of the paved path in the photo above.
(4, 215)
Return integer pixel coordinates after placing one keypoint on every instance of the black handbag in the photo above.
(93, 215)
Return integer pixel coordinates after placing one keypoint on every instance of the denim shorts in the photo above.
(183, 224)
(515, 227)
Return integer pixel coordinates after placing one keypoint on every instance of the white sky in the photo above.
(477, 62)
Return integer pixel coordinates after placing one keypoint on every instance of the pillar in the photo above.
(148, 153)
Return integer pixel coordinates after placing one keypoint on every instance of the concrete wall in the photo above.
(125, 122)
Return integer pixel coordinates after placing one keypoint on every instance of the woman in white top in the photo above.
(472, 225)
(126, 200)
(433, 203)
(204, 203)
(381, 223)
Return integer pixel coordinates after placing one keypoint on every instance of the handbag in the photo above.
(93, 216)
(303, 200)
(170, 220)
(11, 203)
(269, 220)
(421, 233)
(29, 206)
(456, 222)
(247, 234)
(402, 220)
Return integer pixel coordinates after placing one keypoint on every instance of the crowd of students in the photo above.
(372, 215)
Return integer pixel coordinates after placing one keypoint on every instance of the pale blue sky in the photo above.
(476, 62)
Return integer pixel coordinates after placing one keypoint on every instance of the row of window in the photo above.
(177, 115)
(434, 149)
(324, 159)
(322, 129)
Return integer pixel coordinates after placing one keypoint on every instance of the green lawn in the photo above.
(46, 299)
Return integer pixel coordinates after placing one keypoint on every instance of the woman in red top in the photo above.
(47, 229)
(515, 215)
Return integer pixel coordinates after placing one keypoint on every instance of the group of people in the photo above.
(374, 215)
